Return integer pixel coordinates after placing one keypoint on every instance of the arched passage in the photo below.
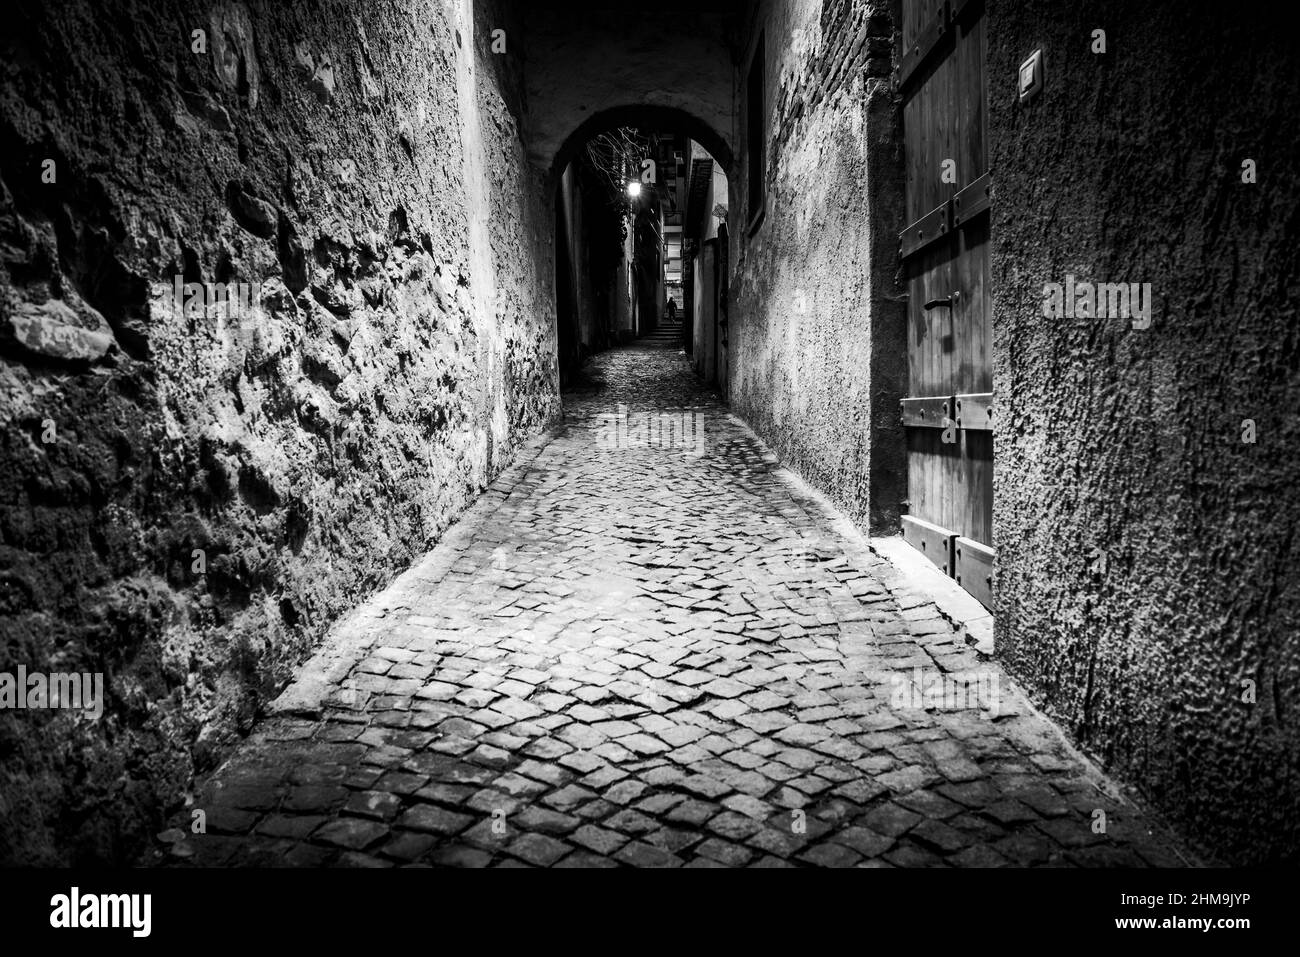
(590, 68)
(620, 257)
(647, 117)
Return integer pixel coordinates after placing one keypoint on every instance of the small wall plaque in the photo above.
(1031, 76)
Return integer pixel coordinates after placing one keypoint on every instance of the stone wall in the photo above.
(1145, 576)
(192, 495)
(817, 359)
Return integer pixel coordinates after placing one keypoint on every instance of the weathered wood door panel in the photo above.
(949, 414)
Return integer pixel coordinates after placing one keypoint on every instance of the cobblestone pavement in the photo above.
(646, 646)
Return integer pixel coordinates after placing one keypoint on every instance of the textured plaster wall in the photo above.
(817, 355)
(1146, 554)
(363, 163)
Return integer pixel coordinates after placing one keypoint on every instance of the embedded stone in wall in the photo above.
(233, 51)
(55, 330)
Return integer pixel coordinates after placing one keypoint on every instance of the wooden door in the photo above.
(949, 411)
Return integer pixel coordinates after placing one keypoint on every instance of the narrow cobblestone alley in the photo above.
(649, 647)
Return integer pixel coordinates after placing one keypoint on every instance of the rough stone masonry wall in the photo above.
(817, 351)
(362, 162)
(1147, 556)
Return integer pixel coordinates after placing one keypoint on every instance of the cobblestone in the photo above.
(631, 653)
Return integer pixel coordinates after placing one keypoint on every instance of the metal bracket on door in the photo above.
(928, 40)
(948, 301)
(930, 228)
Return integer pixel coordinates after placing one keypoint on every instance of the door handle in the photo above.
(948, 301)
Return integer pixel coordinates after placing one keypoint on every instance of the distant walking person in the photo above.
(672, 310)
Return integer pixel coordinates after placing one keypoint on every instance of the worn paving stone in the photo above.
(294, 826)
(865, 841)
(539, 850)
(638, 854)
(749, 806)
(544, 820)
(673, 839)
(598, 839)
(427, 817)
(831, 855)
(585, 860)
(647, 647)
(376, 804)
(733, 826)
(351, 833)
(724, 852)
(460, 856)
(228, 820)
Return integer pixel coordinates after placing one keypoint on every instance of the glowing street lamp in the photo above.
(634, 189)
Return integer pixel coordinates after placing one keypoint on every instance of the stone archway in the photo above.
(646, 117)
(595, 306)
(669, 66)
